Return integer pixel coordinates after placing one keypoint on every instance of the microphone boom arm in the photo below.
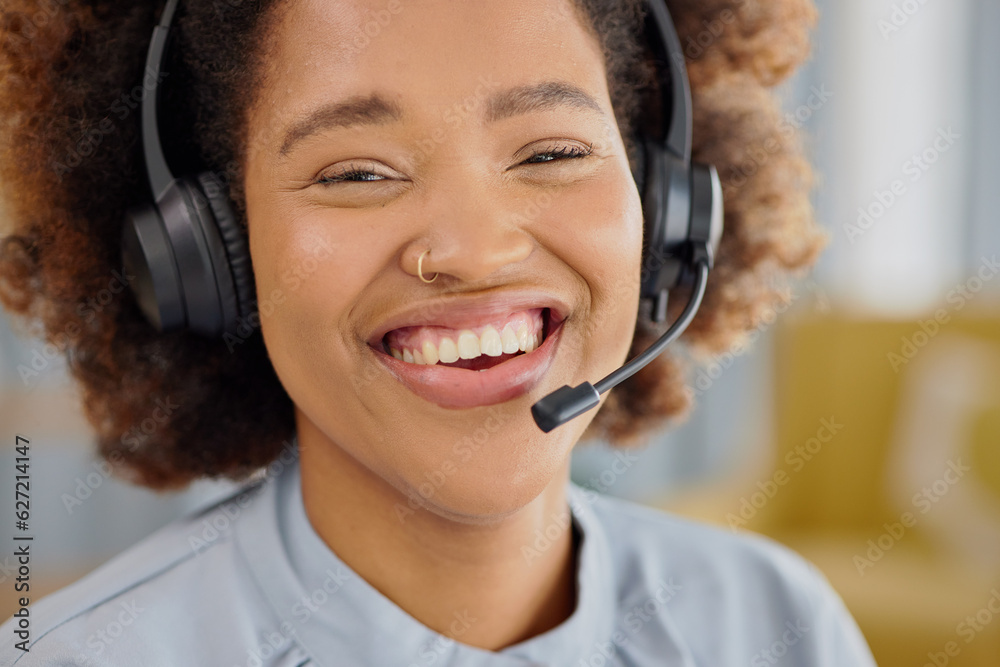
(567, 402)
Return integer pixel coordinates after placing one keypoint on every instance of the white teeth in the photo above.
(509, 340)
(522, 337)
(447, 352)
(468, 344)
(430, 353)
(490, 342)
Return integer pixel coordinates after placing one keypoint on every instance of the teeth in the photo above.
(509, 340)
(430, 353)
(447, 352)
(522, 337)
(468, 344)
(514, 338)
(491, 343)
(532, 343)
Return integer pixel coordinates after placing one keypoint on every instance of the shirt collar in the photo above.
(339, 618)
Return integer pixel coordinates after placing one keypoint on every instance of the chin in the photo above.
(484, 491)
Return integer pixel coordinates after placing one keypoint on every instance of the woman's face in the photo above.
(483, 131)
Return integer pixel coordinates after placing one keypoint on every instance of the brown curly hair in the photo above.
(70, 82)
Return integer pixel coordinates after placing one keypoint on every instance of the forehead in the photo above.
(426, 55)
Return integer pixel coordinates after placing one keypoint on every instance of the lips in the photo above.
(455, 386)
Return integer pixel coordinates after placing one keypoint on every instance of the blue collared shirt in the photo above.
(247, 582)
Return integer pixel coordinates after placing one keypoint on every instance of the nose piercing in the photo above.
(420, 272)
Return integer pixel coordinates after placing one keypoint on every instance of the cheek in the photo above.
(600, 233)
(317, 276)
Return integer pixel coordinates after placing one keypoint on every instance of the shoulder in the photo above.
(148, 600)
(640, 533)
(757, 593)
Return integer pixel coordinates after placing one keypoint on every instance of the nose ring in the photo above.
(420, 271)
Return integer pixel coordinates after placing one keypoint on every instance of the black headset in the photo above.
(191, 257)
(186, 248)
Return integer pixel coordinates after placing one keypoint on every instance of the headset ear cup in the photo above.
(239, 301)
(706, 208)
(148, 261)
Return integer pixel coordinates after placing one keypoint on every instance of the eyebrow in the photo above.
(546, 95)
(371, 110)
(375, 109)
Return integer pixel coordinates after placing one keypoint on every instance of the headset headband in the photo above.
(157, 169)
(675, 92)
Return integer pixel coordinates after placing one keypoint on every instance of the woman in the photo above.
(391, 173)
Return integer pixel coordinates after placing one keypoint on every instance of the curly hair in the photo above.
(70, 83)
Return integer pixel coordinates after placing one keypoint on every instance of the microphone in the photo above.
(567, 402)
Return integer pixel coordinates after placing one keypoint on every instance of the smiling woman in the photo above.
(402, 507)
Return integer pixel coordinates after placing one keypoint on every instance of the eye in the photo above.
(551, 154)
(352, 173)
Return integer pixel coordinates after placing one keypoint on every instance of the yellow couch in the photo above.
(885, 472)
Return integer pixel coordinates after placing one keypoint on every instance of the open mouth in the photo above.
(459, 368)
(477, 349)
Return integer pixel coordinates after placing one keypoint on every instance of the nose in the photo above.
(473, 229)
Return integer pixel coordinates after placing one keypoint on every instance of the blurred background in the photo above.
(862, 428)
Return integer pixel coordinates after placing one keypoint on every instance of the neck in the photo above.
(484, 584)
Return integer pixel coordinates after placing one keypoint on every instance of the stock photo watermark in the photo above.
(900, 15)
(796, 459)
(545, 538)
(301, 611)
(126, 103)
(967, 630)
(377, 21)
(104, 468)
(634, 620)
(87, 311)
(958, 297)
(915, 168)
(292, 279)
(712, 29)
(758, 156)
(779, 648)
(463, 450)
(220, 521)
(923, 501)
(710, 371)
(436, 647)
